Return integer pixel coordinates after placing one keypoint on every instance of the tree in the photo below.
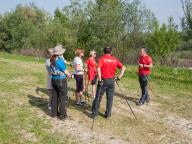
(18, 27)
(187, 24)
(163, 40)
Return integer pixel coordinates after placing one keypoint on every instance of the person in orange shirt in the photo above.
(145, 64)
(91, 67)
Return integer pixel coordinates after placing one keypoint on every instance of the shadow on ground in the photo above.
(135, 100)
(43, 90)
(39, 102)
(42, 103)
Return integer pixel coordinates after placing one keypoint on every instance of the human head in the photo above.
(107, 50)
(79, 52)
(143, 51)
(58, 50)
(92, 54)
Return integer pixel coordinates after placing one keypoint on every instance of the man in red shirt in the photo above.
(145, 65)
(107, 67)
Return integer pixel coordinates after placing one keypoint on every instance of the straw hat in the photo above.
(58, 50)
(92, 53)
(50, 51)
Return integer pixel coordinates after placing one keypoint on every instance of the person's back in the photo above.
(59, 67)
(108, 65)
(106, 73)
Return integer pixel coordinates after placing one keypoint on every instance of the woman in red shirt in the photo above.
(91, 66)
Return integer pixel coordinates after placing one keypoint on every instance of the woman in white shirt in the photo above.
(78, 74)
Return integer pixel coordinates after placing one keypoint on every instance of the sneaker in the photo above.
(82, 103)
(78, 104)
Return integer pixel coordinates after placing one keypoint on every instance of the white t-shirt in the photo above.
(78, 61)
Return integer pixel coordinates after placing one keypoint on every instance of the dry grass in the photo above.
(24, 118)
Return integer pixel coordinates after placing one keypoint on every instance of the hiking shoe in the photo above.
(65, 118)
(140, 104)
(107, 116)
(92, 115)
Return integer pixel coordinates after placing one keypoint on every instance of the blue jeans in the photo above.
(143, 80)
(108, 87)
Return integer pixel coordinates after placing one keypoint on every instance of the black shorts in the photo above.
(79, 83)
(94, 81)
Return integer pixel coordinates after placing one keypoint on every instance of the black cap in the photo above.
(107, 50)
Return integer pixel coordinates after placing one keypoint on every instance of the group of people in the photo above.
(102, 73)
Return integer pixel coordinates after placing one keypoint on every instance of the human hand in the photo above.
(140, 65)
(117, 79)
(100, 82)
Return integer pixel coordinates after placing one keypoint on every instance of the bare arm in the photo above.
(148, 66)
(99, 74)
(122, 72)
(85, 67)
(67, 62)
(67, 73)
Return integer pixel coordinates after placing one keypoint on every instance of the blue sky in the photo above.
(162, 8)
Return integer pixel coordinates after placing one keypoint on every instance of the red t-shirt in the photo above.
(92, 68)
(108, 65)
(91, 64)
(146, 60)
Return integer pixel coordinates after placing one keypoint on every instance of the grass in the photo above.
(24, 119)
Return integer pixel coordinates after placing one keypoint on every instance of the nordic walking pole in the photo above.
(126, 100)
(94, 105)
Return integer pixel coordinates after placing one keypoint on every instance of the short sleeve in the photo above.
(119, 64)
(77, 61)
(62, 65)
(149, 60)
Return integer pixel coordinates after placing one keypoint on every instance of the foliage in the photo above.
(124, 25)
(187, 25)
(163, 40)
(88, 24)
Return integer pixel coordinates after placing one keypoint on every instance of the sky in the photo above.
(162, 9)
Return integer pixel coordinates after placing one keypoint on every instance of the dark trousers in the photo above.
(79, 83)
(108, 87)
(59, 98)
(143, 80)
